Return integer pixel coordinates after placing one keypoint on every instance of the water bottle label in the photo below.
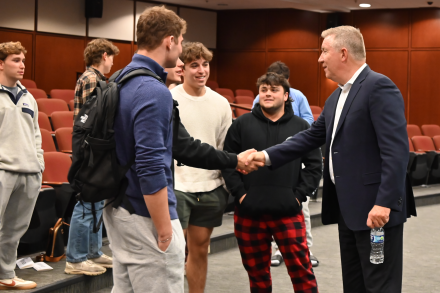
(377, 239)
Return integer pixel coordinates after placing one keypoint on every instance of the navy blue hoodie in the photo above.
(143, 127)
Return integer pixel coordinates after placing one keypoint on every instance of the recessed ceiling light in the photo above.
(364, 5)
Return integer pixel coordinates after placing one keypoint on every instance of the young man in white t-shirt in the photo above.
(201, 197)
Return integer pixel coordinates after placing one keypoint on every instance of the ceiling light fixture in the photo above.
(364, 5)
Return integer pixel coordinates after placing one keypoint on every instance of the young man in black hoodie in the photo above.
(268, 203)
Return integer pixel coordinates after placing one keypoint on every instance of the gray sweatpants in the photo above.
(139, 266)
(306, 213)
(18, 194)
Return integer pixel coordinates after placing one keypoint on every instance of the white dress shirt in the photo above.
(341, 102)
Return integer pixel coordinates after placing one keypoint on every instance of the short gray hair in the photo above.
(348, 37)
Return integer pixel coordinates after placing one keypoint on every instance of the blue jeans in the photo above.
(83, 243)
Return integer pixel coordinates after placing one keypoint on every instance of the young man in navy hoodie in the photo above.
(268, 203)
(148, 245)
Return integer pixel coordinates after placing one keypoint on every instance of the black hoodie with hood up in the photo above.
(271, 192)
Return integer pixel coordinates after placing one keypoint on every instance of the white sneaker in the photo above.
(87, 267)
(276, 259)
(314, 260)
(16, 284)
(104, 261)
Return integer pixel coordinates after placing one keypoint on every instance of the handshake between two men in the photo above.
(249, 161)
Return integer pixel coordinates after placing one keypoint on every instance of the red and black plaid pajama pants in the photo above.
(254, 236)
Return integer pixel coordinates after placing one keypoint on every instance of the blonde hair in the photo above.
(157, 23)
(10, 48)
(194, 51)
(348, 37)
(94, 50)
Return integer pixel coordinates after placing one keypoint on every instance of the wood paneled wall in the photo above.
(53, 60)
(402, 44)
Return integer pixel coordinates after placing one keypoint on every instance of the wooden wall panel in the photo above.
(303, 71)
(57, 60)
(241, 29)
(291, 28)
(240, 70)
(393, 64)
(26, 40)
(425, 31)
(124, 57)
(424, 102)
(383, 28)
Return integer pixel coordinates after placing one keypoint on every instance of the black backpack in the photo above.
(95, 172)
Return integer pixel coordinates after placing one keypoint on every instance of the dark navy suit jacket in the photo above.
(370, 153)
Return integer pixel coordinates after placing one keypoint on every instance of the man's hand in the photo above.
(378, 217)
(256, 157)
(164, 241)
(246, 169)
(241, 199)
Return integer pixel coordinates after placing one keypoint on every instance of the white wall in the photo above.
(17, 17)
(116, 22)
(141, 6)
(62, 17)
(202, 26)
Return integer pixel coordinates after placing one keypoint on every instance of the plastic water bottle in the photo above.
(377, 238)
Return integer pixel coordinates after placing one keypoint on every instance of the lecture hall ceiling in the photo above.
(310, 5)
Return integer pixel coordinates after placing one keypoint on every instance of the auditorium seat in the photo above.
(49, 106)
(65, 95)
(212, 84)
(71, 105)
(239, 111)
(315, 116)
(242, 92)
(425, 144)
(436, 140)
(62, 119)
(316, 110)
(229, 98)
(37, 93)
(430, 130)
(244, 100)
(417, 166)
(28, 83)
(64, 139)
(44, 122)
(413, 130)
(227, 92)
(55, 175)
(47, 143)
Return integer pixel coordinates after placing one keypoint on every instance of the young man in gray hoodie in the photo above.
(21, 161)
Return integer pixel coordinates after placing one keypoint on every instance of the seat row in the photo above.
(424, 160)
(57, 120)
(430, 130)
(60, 140)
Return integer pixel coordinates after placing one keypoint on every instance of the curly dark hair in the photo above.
(94, 50)
(275, 79)
(280, 68)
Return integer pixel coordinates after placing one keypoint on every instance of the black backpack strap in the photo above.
(115, 75)
(139, 72)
